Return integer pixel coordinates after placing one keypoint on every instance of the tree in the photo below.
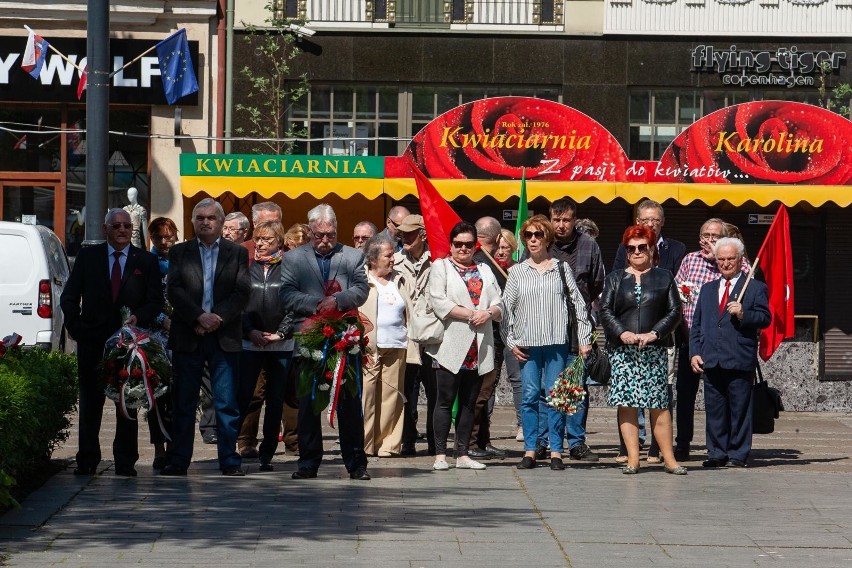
(837, 99)
(272, 90)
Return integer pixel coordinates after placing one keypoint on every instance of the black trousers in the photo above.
(465, 385)
(350, 428)
(416, 375)
(125, 446)
(687, 389)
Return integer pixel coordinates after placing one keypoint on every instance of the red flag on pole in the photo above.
(776, 262)
(438, 217)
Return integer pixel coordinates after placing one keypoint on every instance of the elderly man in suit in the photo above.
(208, 286)
(305, 274)
(723, 346)
(105, 278)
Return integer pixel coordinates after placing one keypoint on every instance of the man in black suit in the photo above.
(305, 274)
(650, 213)
(723, 346)
(105, 278)
(208, 286)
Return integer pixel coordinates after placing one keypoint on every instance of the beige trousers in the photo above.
(383, 400)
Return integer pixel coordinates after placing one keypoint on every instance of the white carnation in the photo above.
(323, 386)
(316, 355)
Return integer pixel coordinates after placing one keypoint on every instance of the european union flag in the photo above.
(176, 67)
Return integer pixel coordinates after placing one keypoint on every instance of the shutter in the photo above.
(837, 347)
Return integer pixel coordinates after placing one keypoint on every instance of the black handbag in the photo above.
(766, 405)
(597, 365)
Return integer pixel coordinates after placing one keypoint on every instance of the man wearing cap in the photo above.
(413, 263)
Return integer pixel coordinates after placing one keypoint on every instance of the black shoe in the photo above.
(527, 463)
(304, 473)
(160, 463)
(715, 462)
(125, 471)
(210, 438)
(556, 464)
(478, 454)
(360, 474)
(266, 466)
(541, 453)
(233, 471)
(736, 463)
(496, 452)
(173, 470)
(86, 470)
(583, 452)
(681, 454)
(408, 451)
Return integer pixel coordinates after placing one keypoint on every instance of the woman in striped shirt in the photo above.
(537, 328)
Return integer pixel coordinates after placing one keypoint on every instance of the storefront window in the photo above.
(30, 141)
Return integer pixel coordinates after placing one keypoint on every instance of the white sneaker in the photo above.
(519, 437)
(469, 464)
(440, 465)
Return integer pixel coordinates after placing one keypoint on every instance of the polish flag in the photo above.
(34, 54)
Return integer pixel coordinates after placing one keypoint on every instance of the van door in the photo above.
(19, 286)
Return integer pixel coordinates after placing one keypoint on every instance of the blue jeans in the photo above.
(224, 371)
(575, 424)
(538, 373)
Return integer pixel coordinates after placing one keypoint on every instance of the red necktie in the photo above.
(724, 301)
(115, 277)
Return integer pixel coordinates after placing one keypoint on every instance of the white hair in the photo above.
(322, 213)
(112, 213)
(239, 217)
(728, 242)
(208, 202)
(265, 206)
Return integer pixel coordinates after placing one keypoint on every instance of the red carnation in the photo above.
(366, 341)
(123, 374)
(328, 375)
(150, 373)
(136, 373)
(328, 331)
(340, 345)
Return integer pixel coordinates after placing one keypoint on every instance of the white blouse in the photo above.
(390, 319)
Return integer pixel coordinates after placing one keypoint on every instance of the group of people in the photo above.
(232, 306)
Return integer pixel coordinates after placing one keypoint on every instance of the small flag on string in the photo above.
(34, 54)
(176, 67)
(81, 86)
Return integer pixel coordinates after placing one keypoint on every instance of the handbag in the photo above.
(573, 340)
(597, 364)
(424, 327)
(766, 405)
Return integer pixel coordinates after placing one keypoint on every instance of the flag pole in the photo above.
(494, 262)
(749, 278)
(132, 61)
(57, 52)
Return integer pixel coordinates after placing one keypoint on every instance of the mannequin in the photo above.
(139, 219)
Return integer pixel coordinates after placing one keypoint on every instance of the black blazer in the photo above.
(91, 316)
(659, 308)
(185, 289)
(671, 255)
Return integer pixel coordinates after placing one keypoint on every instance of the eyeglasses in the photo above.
(710, 237)
(641, 249)
(117, 226)
(320, 236)
(394, 223)
(530, 234)
(163, 237)
(464, 244)
(360, 238)
(265, 240)
(651, 221)
(232, 230)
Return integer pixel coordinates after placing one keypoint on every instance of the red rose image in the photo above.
(497, 138)
(763, 142)
(328, 331)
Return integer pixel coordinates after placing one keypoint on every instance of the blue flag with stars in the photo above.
(176, 67)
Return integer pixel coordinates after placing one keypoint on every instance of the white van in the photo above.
(33, 272)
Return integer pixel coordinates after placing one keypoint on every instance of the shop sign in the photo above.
(512, 214)
(265, 166)
(140, 83)
(783, 67)
(760, 219)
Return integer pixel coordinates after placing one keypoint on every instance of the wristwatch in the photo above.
(654, 331)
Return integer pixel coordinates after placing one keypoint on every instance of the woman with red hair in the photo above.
(640, 308)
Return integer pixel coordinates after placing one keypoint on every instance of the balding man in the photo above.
(488, 233)
(396, 215)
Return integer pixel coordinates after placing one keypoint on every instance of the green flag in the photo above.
(522, 215)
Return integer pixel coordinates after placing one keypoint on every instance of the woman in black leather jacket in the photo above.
(267, 336)
(640, 308)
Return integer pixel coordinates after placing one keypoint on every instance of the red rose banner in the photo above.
(762, 142)
(497, 138)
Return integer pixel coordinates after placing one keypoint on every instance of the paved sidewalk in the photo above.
(790, 507)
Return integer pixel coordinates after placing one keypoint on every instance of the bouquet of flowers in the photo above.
(686, 290)
(332, 345)
(136, 368)
(568, 391)
(8, 342)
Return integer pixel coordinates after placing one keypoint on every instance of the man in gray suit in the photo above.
(305, 274)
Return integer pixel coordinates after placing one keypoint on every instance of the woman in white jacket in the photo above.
(466, 298)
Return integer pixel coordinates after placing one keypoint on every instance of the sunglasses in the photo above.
(530, 234)
(117, 226)
(463, 244)
(320, 236)
(641, 249)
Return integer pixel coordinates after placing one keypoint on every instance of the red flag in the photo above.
(776, 262)
(84, 79)
(438, 217)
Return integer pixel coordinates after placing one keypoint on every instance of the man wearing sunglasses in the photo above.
(396, 216)
(583, 255)
(106, 278)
